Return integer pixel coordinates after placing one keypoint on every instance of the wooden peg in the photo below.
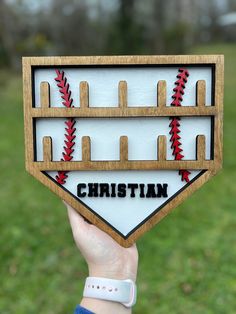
(84, 94)
(201, 93)
(44, 95)
(201, 148)
(122, 90)
(124, 148)
(161, 147)
(86, 148)
(161, 94)
(47, 148)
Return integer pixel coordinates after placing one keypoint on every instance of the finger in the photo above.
(78, 225)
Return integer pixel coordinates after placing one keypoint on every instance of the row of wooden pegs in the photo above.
(122, 94)
(161, 149)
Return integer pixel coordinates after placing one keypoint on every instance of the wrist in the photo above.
(109, 295)
(120, 273)
(103, 307)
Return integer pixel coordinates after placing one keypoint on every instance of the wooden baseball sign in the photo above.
(123, 139)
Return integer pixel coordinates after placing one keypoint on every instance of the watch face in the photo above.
(123, 140)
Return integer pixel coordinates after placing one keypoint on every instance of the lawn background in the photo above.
(187, 262)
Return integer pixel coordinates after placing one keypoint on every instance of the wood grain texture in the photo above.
(161, 148)
(47, 149)
(44, 95)
(113, 112)
(130, 60)
(124, 155)
(84, 94)
(122, 94)
(125, 165)
(28, 105)
(201, 148)
(215, 111)
(86, 148)
(130, 238)
(218, 117)
(161, 94)
(201, 93)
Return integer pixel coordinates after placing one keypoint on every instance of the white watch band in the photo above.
(122, 291)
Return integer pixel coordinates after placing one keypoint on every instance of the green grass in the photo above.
(187, 262)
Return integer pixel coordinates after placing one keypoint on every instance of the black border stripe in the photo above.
(140, 224)
(211, 65)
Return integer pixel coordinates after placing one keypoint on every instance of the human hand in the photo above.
(105, 257)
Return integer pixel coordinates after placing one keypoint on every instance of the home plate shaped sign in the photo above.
(123, 139)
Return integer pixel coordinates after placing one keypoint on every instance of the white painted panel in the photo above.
(117, 210)
(124, 214)
(105, 134)
(142, 84)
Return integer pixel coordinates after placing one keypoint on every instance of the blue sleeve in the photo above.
(81, 310)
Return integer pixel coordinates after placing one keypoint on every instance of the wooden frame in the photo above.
(208, 167)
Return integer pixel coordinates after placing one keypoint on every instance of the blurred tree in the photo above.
(174, 25)
(72, 27)
(19, 34)
(215, 29)
(8, 35)
(231, 5)
(126, 34)
(159, 25)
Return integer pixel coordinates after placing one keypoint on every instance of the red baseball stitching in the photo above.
(64, 89)
(175, 139)
(69, 141)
